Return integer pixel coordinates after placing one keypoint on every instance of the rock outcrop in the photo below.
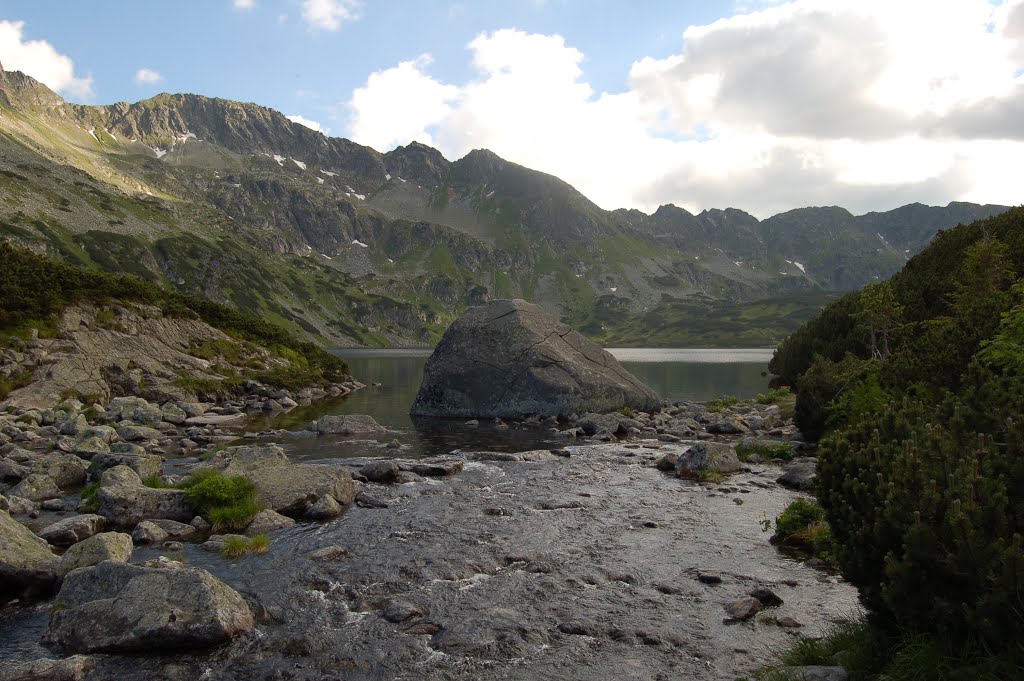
(116, 607)
(512, 359)
(125, 501)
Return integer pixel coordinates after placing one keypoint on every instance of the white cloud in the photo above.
(244, 4)
(329, 15)
(309, 123)
(862, 103)
(147, 76)
(40, 60)
(397, 105)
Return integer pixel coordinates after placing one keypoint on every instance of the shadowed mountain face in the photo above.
(235, 202)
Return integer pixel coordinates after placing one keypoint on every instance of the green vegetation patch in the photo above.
(229, 503)
(236, 547)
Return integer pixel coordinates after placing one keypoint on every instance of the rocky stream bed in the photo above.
(579, 559)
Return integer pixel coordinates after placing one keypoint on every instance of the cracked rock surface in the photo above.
(511, 359)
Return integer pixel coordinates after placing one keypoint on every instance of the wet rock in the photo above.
(435, 468)
(27, 565)
(801, 474)
(125, 501)
(380, 471)
(72, 530)
(295, 488)
(394, 444)
(216, 542)
(364, 500)
(202, 527)
(668, 462)
(53, 505)
(706, 457)
(766, 596)
(267, 521)
(814, 673)
(593, 424)
(143, 464)
(577, 628)
(328, 553)
(36, 487)
(172, 546)
(512, 359)
(116, 546)
(347, 424)
(115, 607)
(742, 609)
(400, 611)
(74, 668)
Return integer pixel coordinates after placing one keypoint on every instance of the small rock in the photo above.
(267, 521)
(364, 500)
(172, 546)
(766, 596)
(148, 532)
(437, 468)
(787, 622)
(742, 610)
(53, 505)
(74, 668)
(324, 508)
(116, 546)
(709, 578)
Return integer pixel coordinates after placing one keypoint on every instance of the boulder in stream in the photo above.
(27, 565)
(511, 359)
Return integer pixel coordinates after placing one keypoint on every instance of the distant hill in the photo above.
(234, 202)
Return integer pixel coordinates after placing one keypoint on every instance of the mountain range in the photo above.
(235, 202)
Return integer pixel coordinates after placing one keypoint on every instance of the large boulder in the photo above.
(27, 565)
(36, 487)
(511, 359)
(243, 460)
(66, 470)
(125, 501)
(116, 607)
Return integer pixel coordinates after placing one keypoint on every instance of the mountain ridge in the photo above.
(181, 175)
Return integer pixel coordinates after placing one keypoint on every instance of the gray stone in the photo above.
(267, 521)
(121, 408)
(214, 419)
(380, 471)
(116, 546)
(175, 530)
(435, 468)
(324, 508)
(801, 474)
(11, 471)
(126, 502)
(243, 460)
(743, 609)
(36, 487)
(72, 530)
(148, 532)
(66, 470)
(146, 413)
(115, 607)
(27, 565)
(512, 359)
(328, 553)
(145, 465)
(347, 424)
(728, 427)
(215, 543)
(90, 446)
(767, 597)
(294, 488)
(706, 457)
(173, 414)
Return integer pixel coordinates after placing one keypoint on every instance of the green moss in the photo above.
(236, 547)
(227, 502)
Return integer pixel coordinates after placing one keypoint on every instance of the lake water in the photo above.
(691, 374)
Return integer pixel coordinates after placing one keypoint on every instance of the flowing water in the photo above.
(581, 566)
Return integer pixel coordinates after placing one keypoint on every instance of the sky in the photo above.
(754, 104)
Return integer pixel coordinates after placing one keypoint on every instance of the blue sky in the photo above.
(760, 105)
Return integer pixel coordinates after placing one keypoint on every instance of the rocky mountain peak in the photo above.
(418, 163)
(18, 89)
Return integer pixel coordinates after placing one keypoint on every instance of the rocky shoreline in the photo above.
(48, 456)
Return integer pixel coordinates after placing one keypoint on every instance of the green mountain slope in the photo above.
(234, 202)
